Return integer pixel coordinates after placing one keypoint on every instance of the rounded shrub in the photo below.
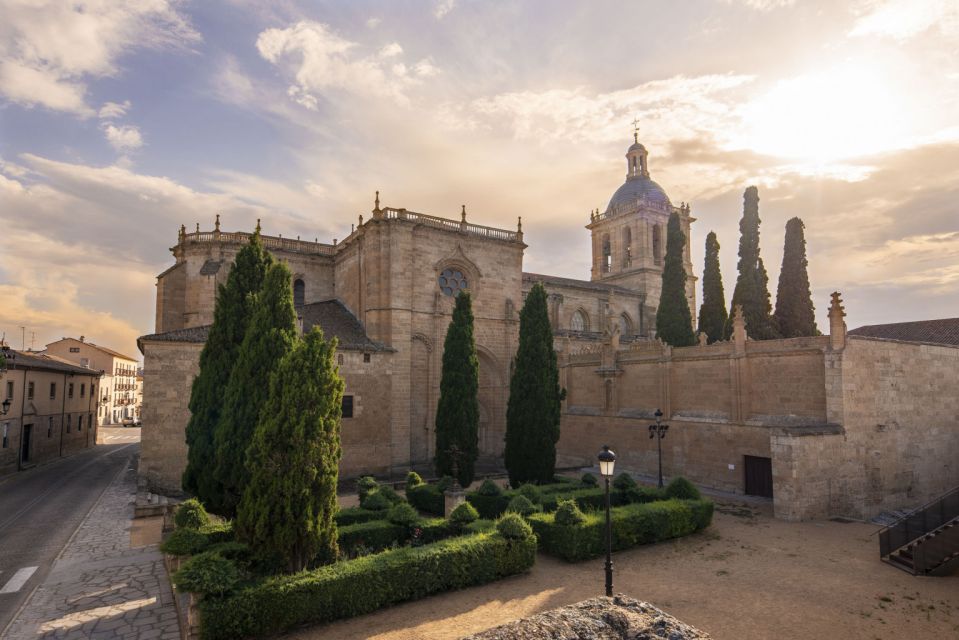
(207, 573)
(236, 551)
(444, 483)
(489, 488)
(404, 514)
(390, 494)
(376, 501)
(568, 513)
(463, 514)
(191, 515)
(512, 527)
(413, 479)
(532, 493)
(624, 482)
(365, 486)
(184, 542)
(682, 489)
(589, 479)
(521, 505)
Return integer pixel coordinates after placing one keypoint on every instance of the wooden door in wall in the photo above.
(759, 476)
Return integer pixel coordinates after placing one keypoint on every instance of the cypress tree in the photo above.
(712, 313)
(457, 414)
(752, 285)
(230, 318)
(533, 412)
(269, 336)
(674, 321)
(288, 507)
(795, 313)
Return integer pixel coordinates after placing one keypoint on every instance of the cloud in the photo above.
(123, 138)
(443, 7)
(904, 19)
(322, 62)
(113, 110)
(49, 49)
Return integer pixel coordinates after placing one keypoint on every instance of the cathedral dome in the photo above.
(639, 187)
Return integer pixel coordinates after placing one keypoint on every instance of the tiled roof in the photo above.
(532, 278)
(944, 331)
(27, 360)
(106, 350)
(331, 315)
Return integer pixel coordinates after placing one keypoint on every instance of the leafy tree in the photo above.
(269, 336)
(712, 313)
(457, 414)
(752, 285)
(674, 321)
(795, 313)
(533, 411)
(288, 507)
(234, 305)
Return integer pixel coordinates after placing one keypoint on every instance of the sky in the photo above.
(121, 121)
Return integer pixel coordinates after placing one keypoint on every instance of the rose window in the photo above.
(452, 282)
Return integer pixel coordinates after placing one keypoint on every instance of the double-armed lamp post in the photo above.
(607, 461)
(658, 431)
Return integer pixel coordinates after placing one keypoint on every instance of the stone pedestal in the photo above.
(454, 497)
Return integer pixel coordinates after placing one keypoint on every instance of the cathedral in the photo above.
(831, 425)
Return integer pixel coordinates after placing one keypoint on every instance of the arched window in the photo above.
(627, 247)
(625, 325)
(299, 293)
(579, 321)
(607, 255)
(452, 280)
(657, 243)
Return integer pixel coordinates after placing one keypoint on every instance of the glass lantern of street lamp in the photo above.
(607, 460)
(6, 406)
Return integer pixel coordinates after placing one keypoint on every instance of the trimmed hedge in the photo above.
(632, 525)
(368, 537)
(360, 586)
(355, 515)
(188, 542)
(428, 498)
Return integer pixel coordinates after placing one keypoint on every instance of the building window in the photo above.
(627, 247)
(579, 322)
(6, 429)
(83, 390)
(80, 423)
(657, 243)
(452, 281)
(607, 255)
(68, 422)
(74, 349)
(299, 293)
(625, 325)
(70, 390)
(366, 357)
(93, 390)
(9, 390)
(53, 390)
(347, 406)
(50, 427)
(30, 390)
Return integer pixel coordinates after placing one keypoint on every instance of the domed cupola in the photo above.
(638, 186)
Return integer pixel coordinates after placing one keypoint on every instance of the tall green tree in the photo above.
(234, 305)
(712, 313)
(269, 336)
(674, 321)
(533, 412)
(457, 414)
(752, 285)
(795, 314)
(288, 507)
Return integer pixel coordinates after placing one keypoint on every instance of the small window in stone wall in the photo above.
(366, 357)
(347, 406)
(79, 423)
(29, 391)
(452, 281)
(299, 293)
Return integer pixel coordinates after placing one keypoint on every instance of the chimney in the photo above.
(81, 338)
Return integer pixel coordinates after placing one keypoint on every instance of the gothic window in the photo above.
(627, 247)
(452, 281)
(607, 255)
(657, 243)
(579, 322)
(625, 325)
(299, 293)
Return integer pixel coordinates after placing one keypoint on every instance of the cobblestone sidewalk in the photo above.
(100, 587)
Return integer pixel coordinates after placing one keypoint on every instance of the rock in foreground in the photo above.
(617, 618)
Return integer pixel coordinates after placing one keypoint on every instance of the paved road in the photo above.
(41, 508)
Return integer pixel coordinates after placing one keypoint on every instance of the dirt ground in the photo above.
(747, 576)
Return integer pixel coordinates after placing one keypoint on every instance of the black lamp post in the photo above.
(607, 460)
(658, 431)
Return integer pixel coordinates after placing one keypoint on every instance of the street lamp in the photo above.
(607, 461)
(658, 431)
(6, 407)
